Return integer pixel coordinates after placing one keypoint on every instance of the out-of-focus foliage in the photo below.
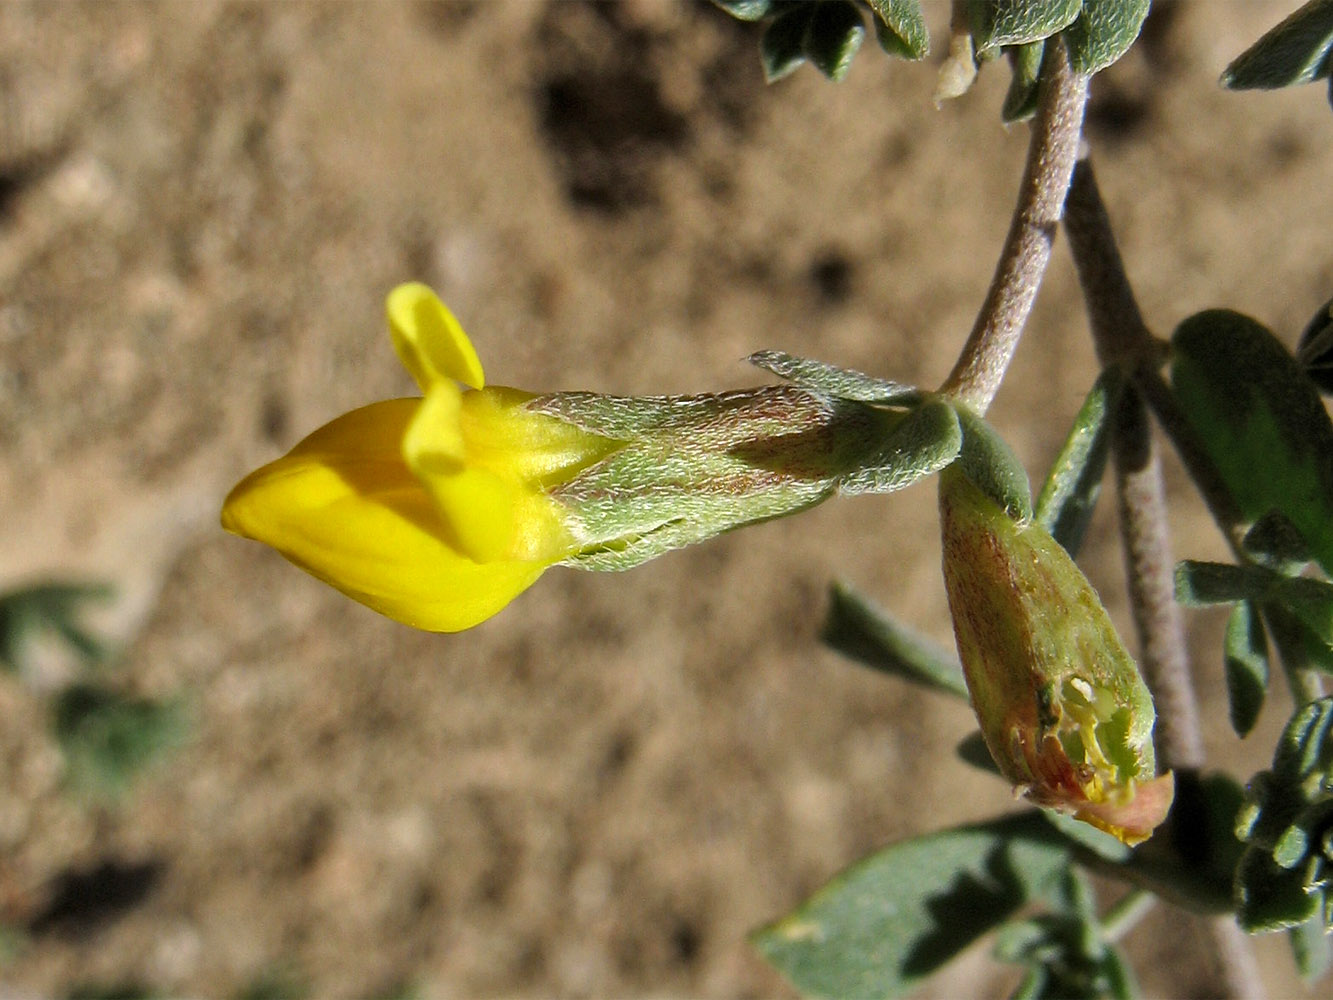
(31, 614)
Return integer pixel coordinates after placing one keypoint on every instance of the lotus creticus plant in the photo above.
(438, 511)
(1062, 706)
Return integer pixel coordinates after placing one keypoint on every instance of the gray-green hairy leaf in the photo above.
(927, 440)
(1296, 51)
(1020, 102)
(1245, 651)
(859, 630)
(1260, 420)
(987, 460)
(898, 915)
(1069, 495)
(846, 383)
(995, 23)
(1103, 32)
(901, 28)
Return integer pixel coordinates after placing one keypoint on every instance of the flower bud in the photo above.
(1062, 706)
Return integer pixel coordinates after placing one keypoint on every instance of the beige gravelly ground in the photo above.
(603, 789)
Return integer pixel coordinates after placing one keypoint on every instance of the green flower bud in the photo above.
(1061, 703)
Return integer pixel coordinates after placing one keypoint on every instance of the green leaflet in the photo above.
(782, 45)
(987, 460)
(1311, 948)
(1069, 495)
(845, 383)
(832, 38)
(1260, 420)
(895, 917)
(859, 630)
(1020, 102)
(927, 439)
(746, 10)
(1296, 51)
(995, 23)
(1245, 654)
(901, 28)
(1103, 32)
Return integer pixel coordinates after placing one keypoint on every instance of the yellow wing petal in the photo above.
(429, 341)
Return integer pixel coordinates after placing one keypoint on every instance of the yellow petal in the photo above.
(429, 341)
(344, 506)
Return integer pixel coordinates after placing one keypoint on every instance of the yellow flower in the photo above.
(433, 511)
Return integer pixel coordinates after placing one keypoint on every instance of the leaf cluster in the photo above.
(829, 33)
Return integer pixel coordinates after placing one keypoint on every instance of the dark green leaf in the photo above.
(782, 46)
(859, 630)
(926, 440)
(1281, 879)
(895, 917)
(833, 36)
(845, 383)
(1315, 349)
(1298, 646)
(108, 738)
(1260, 420)
(1269, 897)
(746, 10)
(901, 28)
(1104, 31)
(987, 460)
(1199, 584)
(1017, 22)
(1274, 541)
(1020, 102)
(1070, 492)
(1296, 51)
(1245, 652)
(1312, 948)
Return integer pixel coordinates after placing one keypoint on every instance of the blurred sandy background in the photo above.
(600, 791)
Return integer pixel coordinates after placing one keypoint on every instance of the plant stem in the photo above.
(1122, 338)
(1150, 569)
(977, 374)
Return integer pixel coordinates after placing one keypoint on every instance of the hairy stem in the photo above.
(1151, 571)
(1122, 339)
(1056, 130)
